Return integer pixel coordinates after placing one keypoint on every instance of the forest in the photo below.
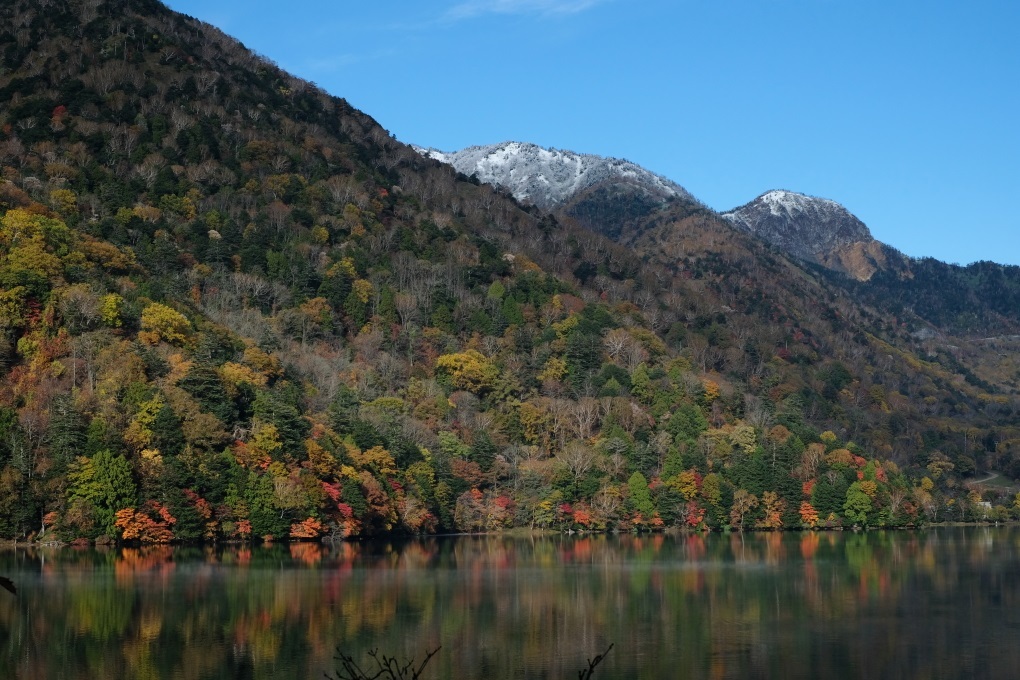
(232, 307)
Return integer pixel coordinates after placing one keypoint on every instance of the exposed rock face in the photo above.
(860, 260)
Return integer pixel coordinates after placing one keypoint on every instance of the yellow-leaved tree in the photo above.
(31, 248)
(469, 370)
(164, 324)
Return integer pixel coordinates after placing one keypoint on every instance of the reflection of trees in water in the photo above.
(145, 561)
(751, 605)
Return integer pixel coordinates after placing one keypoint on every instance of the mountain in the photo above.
(625, 202)
(817, 230)
(232, 306)
(805, 226)
(613, 197)
(548, 177)
(979, 300)
(602, 194)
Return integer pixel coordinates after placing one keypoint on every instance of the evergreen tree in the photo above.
(67, 432)
(483, 451)
(206, 385)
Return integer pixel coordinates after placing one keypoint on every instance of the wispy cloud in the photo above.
(338, 62)
(474, 8)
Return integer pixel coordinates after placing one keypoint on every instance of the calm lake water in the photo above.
(940, 603)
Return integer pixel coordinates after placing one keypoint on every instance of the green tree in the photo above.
(828, 495)
(266, 518)
(205, 384)
(483, 451)
(584, 356)
(104, 481)
(641, 384)
(686, 422)
(66, 433)
(640, 498)
(857, 505)
(277, 408)
(166, 431)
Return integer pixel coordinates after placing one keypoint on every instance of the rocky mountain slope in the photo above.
(802, 225)
(817, 230)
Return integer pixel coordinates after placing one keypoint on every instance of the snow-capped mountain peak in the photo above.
(808, 227)
(549, 177)
(790, 203)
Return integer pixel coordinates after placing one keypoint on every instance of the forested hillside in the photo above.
(232, 306)
(982, 298)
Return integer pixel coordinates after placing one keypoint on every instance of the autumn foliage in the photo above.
(152, 523)
(233, 307)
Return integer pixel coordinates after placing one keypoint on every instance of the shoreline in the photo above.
(516, 533)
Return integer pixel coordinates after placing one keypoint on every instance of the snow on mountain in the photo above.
(612, 196)
(808, 227)
(549, 177)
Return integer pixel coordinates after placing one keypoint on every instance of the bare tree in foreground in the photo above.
(388, 668)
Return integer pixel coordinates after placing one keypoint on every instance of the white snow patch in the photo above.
(550, 176)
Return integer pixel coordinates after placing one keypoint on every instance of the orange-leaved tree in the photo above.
(150, 524)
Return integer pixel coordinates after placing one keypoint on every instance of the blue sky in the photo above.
(907, 112)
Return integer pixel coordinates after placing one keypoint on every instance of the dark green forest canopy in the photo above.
(233, 306)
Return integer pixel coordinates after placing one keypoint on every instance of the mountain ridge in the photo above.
(546, 177)
(602, 194)
(817, 231)
(590, 188)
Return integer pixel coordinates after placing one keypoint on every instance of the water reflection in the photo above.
(934, 604)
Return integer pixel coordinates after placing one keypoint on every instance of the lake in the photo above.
(938, 603)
